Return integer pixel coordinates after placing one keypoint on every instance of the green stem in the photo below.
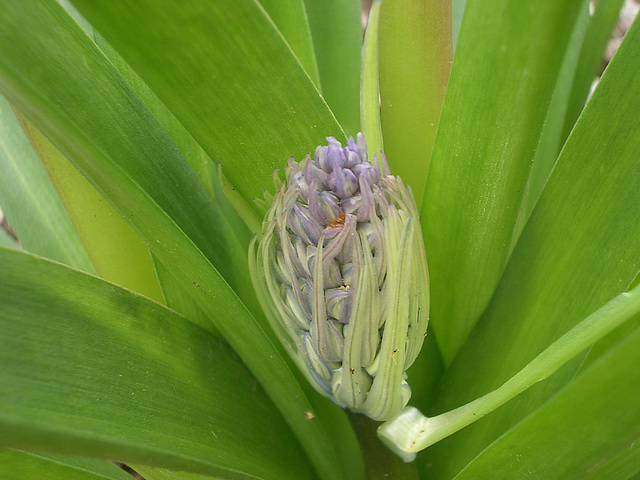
(380, 462)
(411, 431)
(370, 83)
(415, 60)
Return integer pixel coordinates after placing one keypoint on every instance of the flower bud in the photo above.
(341, 272)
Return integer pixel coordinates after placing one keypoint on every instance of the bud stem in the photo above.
(411, 431)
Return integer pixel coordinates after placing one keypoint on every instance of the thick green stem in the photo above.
(415, 60)
(370, 83)
(380, 462)
(411, 431)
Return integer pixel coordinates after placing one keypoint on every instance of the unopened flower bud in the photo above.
(341, 272)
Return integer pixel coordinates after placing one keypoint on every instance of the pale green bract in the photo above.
(340, 269)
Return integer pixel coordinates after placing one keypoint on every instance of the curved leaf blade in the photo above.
(587, 430)
(244, 97)
(580, 247)
(491, 121)
(161, 390)
(116, 251)
(29, 200)
(76, 97)
(19, 465)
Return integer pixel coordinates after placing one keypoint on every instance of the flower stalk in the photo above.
(411, 431)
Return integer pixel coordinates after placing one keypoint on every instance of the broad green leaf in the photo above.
(336, 31)
(507, 61)
(243, 96)
(178, 298)
(601, 24)
(161, 390)
(290, 17)
(590, 429)
(192, 151)
(415, 60)
(19, 465)
(580, 247)
(76, 98)
(30, 202)
(116, 251)
(231, 234)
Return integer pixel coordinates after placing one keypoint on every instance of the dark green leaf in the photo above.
(89, 368)
(244, 97)
(76, 97)
(154, 473)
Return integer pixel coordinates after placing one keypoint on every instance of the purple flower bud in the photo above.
(341, 273)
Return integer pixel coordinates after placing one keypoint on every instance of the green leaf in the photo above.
(336, 30)
(75, 96)
(558, 273)
(244, 98)
(507, 61)
(551, 139)
(415, 60)
(178, 298)
(19, 465)
(116, 251)
(290, 17)
(457, 11)
(154, 473)
(232, 236)
(161, 390)
(590, 429)
(29, 200)
(412, 431)
(601, 24)
(197, 158)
